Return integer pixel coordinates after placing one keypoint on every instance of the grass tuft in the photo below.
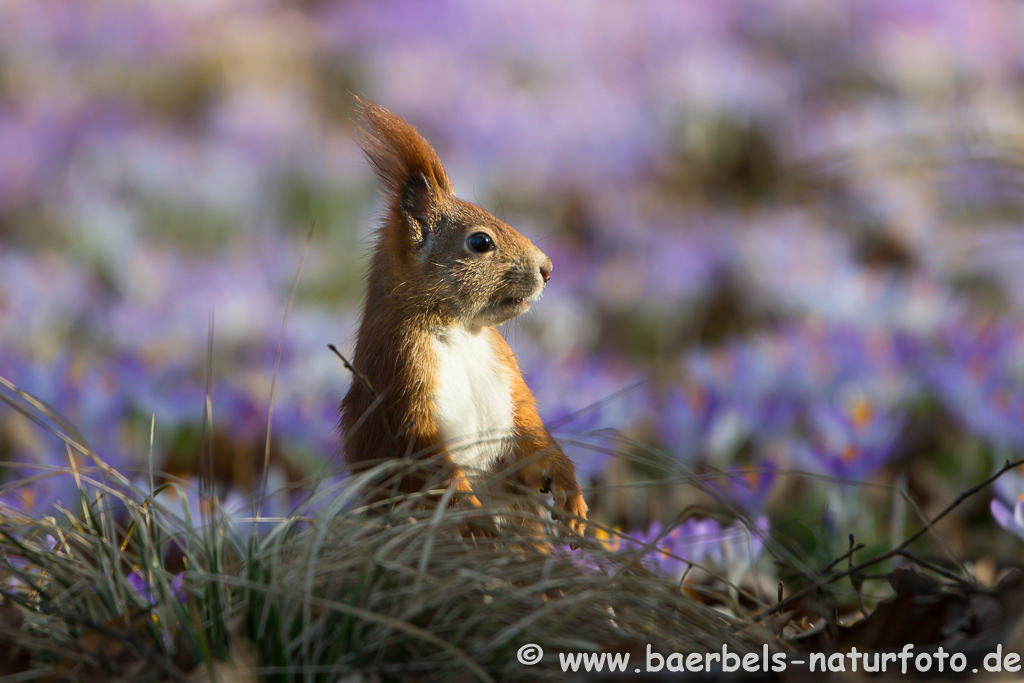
(168, 583)
(133, 586)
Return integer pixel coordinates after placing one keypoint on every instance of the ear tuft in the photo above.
(405, 163)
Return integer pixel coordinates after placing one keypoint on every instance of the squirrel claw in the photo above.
(576, 513)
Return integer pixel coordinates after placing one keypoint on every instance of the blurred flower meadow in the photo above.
(788, 285)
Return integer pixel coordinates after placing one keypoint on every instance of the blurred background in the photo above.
(786, 239)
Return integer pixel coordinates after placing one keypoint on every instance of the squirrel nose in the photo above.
(545, 269)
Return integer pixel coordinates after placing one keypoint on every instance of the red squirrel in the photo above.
(434, 377)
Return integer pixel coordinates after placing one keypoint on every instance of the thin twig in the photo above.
(938, 569)
(351, 368)
(847, 555)
(855, 581)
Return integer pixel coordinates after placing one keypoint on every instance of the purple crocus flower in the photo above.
(734, 393)
(850, 442)
(1007, 505)
(976, 378)
(142, 583)
(685, 419)
(695, 541)
(746, 487)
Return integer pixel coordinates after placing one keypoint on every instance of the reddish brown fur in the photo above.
(415, 287)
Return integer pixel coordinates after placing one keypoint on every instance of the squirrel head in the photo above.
(440, 258)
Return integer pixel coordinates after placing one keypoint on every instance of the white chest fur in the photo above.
(473, 399)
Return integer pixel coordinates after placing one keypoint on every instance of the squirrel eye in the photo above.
(480, 242)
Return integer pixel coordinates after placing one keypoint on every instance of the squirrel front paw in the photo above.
(576, 513)
(465, 491)
(570, 502)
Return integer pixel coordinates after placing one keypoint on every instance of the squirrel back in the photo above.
(435, 377)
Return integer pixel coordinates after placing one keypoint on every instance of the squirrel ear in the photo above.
(406, 164)
(418, 198)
